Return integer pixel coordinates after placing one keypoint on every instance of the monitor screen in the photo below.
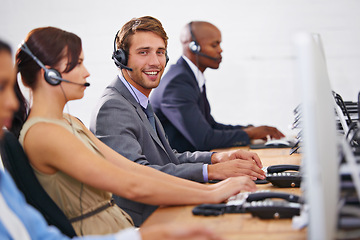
(320, 154)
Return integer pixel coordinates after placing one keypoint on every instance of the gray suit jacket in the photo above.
(120, 122)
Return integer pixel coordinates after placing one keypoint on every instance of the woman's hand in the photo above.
(221, 191)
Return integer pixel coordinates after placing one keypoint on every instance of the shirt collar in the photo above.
(200, 78)
(139, 96)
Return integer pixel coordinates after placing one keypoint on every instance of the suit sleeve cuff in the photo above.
(205, 172)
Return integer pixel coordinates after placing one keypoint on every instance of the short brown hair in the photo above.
(146, 24)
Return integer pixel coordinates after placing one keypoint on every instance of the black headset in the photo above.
(51, 75)
(193, 45)
(120, 56)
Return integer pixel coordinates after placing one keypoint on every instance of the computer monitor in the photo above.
(339, 113)
(320, 153)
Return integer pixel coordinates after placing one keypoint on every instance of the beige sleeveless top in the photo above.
(71, 195)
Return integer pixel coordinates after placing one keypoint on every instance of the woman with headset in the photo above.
(76, 169)
(20, 221)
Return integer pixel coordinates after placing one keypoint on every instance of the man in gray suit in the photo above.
(124, 121)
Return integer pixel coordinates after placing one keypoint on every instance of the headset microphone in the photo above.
(67, 81)
(52, 76)
(207, 56)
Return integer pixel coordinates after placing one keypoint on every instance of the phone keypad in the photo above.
(287, 174)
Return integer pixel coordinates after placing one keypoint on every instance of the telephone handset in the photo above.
(260, 204)
(269, 209)
(282, 168)
(263, 195)
(280, 176)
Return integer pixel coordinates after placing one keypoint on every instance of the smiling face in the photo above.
(147, 59)
(8, 101)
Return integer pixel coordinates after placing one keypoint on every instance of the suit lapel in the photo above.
(148, 126)
(183, 63)
(162, 136)
(202, 101)
(122, 89)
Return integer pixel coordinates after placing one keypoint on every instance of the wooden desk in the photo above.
(240, 226)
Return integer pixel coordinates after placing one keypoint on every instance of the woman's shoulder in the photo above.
(41, 124)
(40, 120)
(74, 121)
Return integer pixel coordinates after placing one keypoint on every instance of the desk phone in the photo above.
(280, 176)
(262, 204)
(269, 209)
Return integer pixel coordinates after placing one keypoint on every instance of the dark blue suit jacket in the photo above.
(185, 114)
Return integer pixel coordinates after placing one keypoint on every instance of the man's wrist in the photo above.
(212, 172)
(213, 158)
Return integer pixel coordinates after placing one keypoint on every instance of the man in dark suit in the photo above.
(122, 119)
(180, 100)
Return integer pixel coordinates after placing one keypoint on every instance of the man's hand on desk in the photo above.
(234, 168)
(235, 163)
(262, 132)
(176, 232)
(236, 154)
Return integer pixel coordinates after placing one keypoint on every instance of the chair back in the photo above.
(17, 164)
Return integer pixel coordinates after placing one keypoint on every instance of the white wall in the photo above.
(256, 82)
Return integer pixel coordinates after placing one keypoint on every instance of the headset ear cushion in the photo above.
(194, 47)
(119, 57)
(49, 74)
(167, 58)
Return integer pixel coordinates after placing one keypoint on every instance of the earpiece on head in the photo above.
(119, 57)
(167, 58)
(51, 76)
(194, 47)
